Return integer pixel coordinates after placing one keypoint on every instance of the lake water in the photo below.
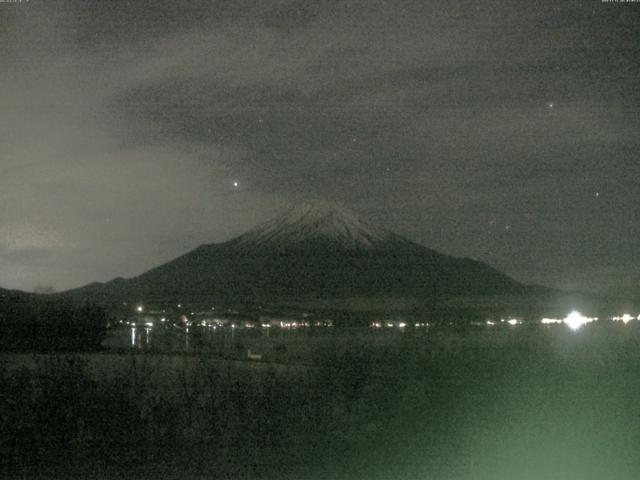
(269, 344)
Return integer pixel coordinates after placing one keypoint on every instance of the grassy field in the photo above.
(506, 403)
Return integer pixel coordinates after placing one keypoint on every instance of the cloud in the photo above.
(123, 127)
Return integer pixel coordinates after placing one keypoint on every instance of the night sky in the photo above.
(134, 131)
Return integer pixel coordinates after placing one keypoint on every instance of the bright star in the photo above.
(235, 184)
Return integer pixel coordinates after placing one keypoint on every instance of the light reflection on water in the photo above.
(138, 336)
(236, 341)
(223, 340)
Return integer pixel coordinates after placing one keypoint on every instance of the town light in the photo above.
(548, 321)
(575, 320)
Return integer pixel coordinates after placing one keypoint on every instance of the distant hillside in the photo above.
(31, 322)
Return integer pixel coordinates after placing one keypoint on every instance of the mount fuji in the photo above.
(313, 251)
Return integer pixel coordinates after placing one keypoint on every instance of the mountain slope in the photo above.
(313, 251)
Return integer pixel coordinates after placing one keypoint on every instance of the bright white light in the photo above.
(511, 321)
(575, 320)
(548, 321)
(490, 323)
(626, 318)
(149, 324)
(235, 184)
(140, 309)
(402, 325)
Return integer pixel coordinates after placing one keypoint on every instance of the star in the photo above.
(551, 105)
(597, 194)
(235, 184)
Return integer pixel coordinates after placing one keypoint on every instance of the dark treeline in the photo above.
(33, 323)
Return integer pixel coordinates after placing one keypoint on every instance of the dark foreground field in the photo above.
(507, 403)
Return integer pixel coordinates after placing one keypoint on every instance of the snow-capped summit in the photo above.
(315, 222)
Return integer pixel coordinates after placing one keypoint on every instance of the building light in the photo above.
(626, 318)
(549, 321)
